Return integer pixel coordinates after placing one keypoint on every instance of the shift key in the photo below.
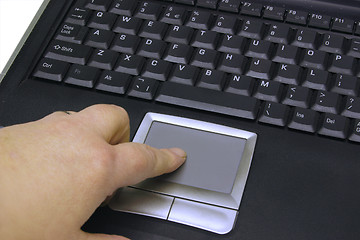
(68, 52)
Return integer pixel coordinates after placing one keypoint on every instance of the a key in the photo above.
(304, 120)
(72, 33)
(179, 34)
(342, 64)
(130, 64)
(101, 5)
(334, 126)
(211, 4)
(157, 69)
(174, 15)
(240, 84)
(99, 38)
(346, 85)
(274, 13)
(355, 131)
(314, 59)
(251, 9)
(148, 10)
(184, 74)
(205, 39)
(102, 20)
(297, 17)
(225, 24)
(211, 79)
(204, 58)
(327, 102)
(232, 44)
(104, 59)
(259, 49)
(260, 68)
(151, 48)
(333, 43)
(79, 16)
(125, 43)
(288, 73)
(268, 90)
(278, 33)
(286, 54)
(51, 69)
(252, 28)
(123, 7)
(319, 21)
(114, 82)
(297, 96)
(208, 100)
(127, 25)
(84, 76)
(352, 107)
(178, 53)
(188, 2)
(144, 88)
(154, 30)
(305, 38)
(354, 49)
(275, 114)
(229, 5)
(68, 52)
(232, 63)
(316, 79)
(199, 19)
(344, 25)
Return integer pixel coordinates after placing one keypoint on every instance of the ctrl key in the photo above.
(51, 69)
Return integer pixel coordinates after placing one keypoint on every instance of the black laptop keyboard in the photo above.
(283, 67)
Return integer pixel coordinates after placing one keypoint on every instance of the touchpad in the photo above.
(212, 158)
(206, 191)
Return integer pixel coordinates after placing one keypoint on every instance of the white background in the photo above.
(15, 17)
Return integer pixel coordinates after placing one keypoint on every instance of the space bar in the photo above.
(209, 100)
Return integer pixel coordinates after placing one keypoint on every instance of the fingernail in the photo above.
(178, 152)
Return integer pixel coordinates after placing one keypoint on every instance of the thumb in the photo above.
(93, 236)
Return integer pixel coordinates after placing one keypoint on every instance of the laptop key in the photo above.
(99, 38)
(79, 16)
(252, 28)
(268, 91)
(184, 74)
(304, 119)
(327, 102)
(199, 19)
(346, 85)
(114, 82)
(104, 59)
(274, 13)
(305, 38)
(355, 131)
(333, 43)
(72, 33)
(342, 64)
(230, 5)
(334, 126)
(174, 15)
(319, 21)
(123, 7)
(143, 88)
(260, 68)
(51, 69)
(84, 76)
(128, 25)
(154, 30)
(103, 20)
(151, 48)
(225, 24)
(278, 33)
(205, 39)
(352, 107)
(251, 9)
(179, 34)
(125, 43)
(275, 114)
(259, 49)
(101, 5)
(297, 96)
(157, 69)
(68, 52)
(130, 64)
(148, 10)
(314, 59)
(297, 17)
(178, 53)
(287, 54)
(232, 44)
(208, 100)
(232, 63)
(205, 58)
(316, 79)
(212, 79)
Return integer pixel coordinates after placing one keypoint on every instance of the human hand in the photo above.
(56, 171)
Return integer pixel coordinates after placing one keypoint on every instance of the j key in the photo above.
(327, 102)
(102, 20)
(230, 5)
(72, 33)
(184, 74)
(151, 48)
(252, 28)
(314, 59)
(204, 58)
(342, 64)
(157, 69)
(199, 19)
(123, 7)
(240, 84)
(211, 79)
(68, 52)
(316, 79)
(319, 21)
(278, 33)
(274, 113)
(334, 126)
(354, 49)
(274, 13)
(101, 5)
(355, 133)
(260, 68)
(99, 38)
(51, 69)
(269, 90)
(225, 24)
(232, 63)
(104, 59)
(179, 34)
(212, 4)
(297, 17)
(125, 43)
(352, 107)
(174, 15)
(126, 24)
(79, 16)
(304, 120)
(288, 73)
(305, 38)
(232, 44)
(252, 9)
(84, 76)
(287, 54)
(143, 88)
(154, 30)
(114, 82)
(343, 25)
(346, 85)
(178, 53)
(205, 39)
(259, 49)
(148, 10)
(131, 64)
(208, 100)
(333, 43)
(297, 96)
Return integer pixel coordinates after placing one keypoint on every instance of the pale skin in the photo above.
(56, 171)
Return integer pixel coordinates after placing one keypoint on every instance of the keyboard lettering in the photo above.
(127, 58)
(126, 19)
(181, 67)
(229, 37)
(264, 84)
(284, 67)
(101, 53)
(208, 72)
(97, 32)
(100, 14)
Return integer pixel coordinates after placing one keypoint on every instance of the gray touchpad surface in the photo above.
(212, 159)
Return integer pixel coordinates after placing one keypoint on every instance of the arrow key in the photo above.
(143, 87)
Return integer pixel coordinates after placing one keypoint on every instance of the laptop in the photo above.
(263, 95)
